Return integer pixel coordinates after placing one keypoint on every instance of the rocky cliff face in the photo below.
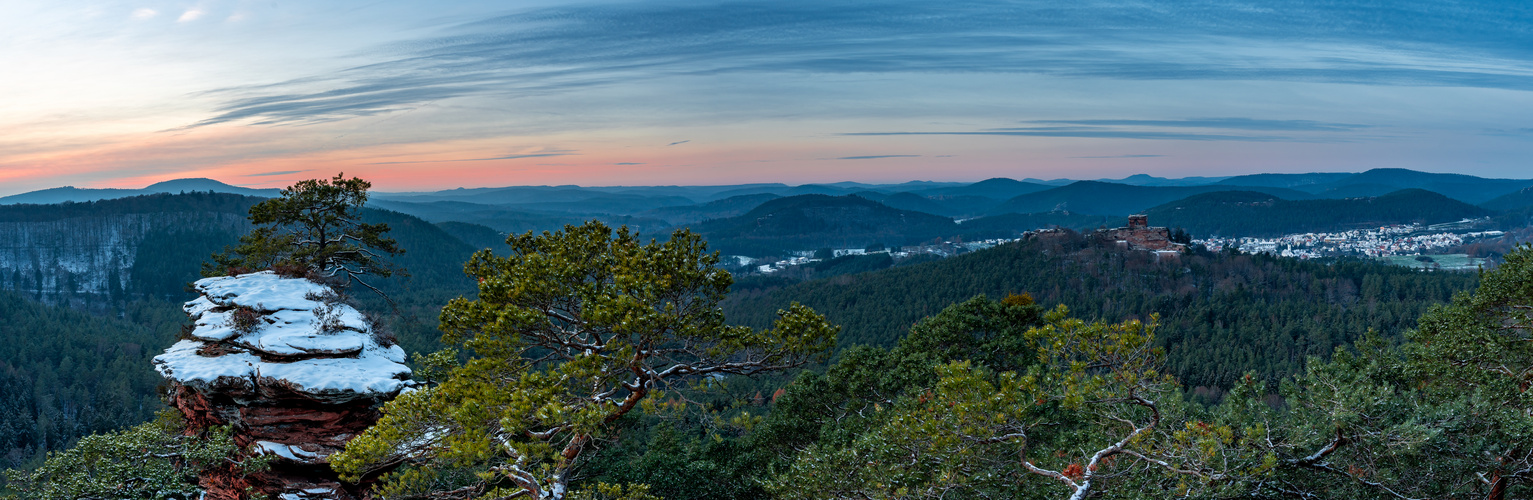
(90, 254)
(293, 371)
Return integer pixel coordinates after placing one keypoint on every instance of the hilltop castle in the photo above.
(1138, 235)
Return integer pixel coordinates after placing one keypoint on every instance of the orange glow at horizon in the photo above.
(274, 158)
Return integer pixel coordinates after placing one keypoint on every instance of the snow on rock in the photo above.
(263, 291)
(184, 363)
(197, 307)
(299, 344)
(319, 349)
(301, 377)
(295, 453)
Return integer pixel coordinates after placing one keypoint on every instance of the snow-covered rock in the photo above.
(319, 348)
(292, 369)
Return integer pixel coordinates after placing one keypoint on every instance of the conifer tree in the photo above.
(316, 226)
(569, 333)
(155, 460)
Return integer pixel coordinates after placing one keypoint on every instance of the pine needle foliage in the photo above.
(316, 226)
(569, 333)
(152, 461)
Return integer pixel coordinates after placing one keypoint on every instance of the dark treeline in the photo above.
(151, 203)
(1223, 314)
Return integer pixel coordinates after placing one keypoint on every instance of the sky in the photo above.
(434, 95)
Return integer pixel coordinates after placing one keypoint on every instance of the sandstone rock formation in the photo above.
(291, 369)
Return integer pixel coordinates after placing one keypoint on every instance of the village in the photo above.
(1386, 241)
(1137, 235)
(1382, 242)
(943, 249)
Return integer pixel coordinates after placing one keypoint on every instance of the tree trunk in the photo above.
(1497, 488)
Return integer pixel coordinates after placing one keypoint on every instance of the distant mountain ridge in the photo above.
(815, 220)
(1106, 198)
(73, 194)
(1380, 181)
(1001, 204)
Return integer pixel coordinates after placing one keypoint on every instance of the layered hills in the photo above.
(1379, 181)
(773, 219)
(812, 221)
(1248, 213)
(1106, 198)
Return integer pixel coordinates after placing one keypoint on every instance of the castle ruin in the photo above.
(1138, 235)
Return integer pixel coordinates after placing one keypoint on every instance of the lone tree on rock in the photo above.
(568, 334)
(316, 227)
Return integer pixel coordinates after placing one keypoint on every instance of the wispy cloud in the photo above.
(508, 157)
(1213, 129)
(267, 174)
(144, 13)
(627, 163)
(190, 15)
(1122, 156)
(679, 142)
(1512, 132)
(875, 157)
(1219, 123)
(1413, 43)
(1101, 134)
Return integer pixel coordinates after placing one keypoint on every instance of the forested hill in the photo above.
(1523, 198)
(999, 188)
(200, 202)
(717, 209)
(815, 220)
(1380, 181)
(1106, 198)
(1223, 314)
(1247, 213)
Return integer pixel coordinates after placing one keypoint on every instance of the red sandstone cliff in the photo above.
(294, 372)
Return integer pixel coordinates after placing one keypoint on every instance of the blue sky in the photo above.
(420, 95)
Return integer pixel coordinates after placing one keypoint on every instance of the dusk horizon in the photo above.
(481, 94)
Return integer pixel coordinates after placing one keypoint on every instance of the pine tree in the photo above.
(316, 227)
(155, 460)
(570, 333)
